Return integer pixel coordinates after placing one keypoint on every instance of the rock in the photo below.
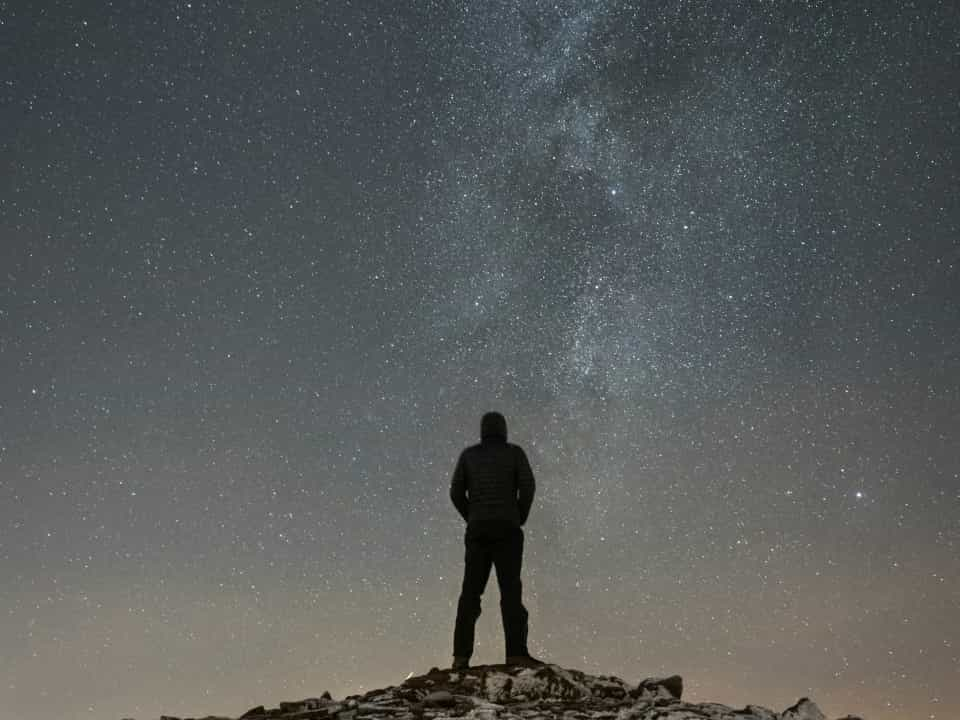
(499, 692)
(672, 685)
(439, 698)
(305, 705)
(758, 712)
(805, 709)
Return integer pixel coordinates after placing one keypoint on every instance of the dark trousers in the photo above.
(501, 547)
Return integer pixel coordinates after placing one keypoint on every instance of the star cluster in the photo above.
(264, 265)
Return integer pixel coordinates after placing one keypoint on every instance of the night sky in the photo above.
(265, 265)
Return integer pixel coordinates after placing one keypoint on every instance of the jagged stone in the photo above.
(673, 685)
(439, 698)
(305, 705)
(756, 711)
(805, 709)
(500, 692)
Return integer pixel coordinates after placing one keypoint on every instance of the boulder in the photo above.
(500, 692)
(759, 712)
(439, 698)
(671, 686)
(805, 709)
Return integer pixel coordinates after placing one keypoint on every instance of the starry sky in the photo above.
(264, 266)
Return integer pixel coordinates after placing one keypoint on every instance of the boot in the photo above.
(524, 660)
(461, 663)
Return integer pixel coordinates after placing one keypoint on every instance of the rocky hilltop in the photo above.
(500, 692)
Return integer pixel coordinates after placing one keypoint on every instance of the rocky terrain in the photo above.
(499, 692)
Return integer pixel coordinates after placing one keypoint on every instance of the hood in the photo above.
(493, 425)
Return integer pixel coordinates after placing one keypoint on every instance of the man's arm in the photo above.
(525, 485)
(458, 489)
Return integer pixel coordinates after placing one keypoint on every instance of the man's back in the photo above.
(493, 483)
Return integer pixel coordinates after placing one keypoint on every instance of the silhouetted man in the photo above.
(493, 488)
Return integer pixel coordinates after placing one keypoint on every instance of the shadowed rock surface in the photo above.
(500, 692)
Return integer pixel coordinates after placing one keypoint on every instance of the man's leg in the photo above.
(508, 558)
(476, 571)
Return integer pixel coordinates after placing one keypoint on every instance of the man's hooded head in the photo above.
(493, 425)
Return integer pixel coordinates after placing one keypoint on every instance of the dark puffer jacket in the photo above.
(493, 482)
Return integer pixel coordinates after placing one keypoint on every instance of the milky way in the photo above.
(265, 265)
